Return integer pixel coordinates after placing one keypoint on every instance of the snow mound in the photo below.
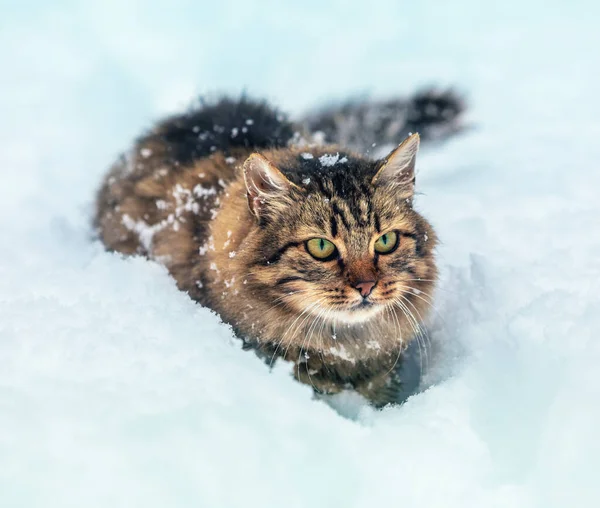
(117, 390)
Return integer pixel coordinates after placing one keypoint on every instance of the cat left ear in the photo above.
(398, 167)
(263, 181)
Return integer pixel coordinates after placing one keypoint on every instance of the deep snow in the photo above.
(116, 390)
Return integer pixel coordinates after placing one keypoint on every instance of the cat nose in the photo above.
(365, 287)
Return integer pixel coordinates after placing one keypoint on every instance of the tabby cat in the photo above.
(313, 253)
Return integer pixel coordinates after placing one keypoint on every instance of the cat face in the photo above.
(337, 236)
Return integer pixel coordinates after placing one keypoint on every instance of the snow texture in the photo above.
(117, 391)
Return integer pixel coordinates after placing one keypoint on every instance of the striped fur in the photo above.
(179, 197)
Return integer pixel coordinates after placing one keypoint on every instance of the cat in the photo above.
(313, 253)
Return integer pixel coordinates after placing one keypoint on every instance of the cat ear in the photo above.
(398, 167)
(263, 181)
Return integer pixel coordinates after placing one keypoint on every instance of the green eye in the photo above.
(321, 249)
(387, 243)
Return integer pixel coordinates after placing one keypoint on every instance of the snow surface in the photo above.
(117, 391)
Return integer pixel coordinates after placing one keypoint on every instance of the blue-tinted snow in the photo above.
(116, 390)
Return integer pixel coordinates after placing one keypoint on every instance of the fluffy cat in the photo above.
(312, 253)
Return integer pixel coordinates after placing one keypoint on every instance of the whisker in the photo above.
(322, 332)
(423, 331)
(431, 280)
(306, 310)
(400, 347)
(315, 304)
(418, 343)
(422, 296)
(417, 330)
(310, 334)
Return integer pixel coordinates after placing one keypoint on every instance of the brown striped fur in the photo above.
(254, 269)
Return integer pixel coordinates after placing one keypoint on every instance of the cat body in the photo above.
(313, 254)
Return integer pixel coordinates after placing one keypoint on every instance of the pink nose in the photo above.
(365, 287)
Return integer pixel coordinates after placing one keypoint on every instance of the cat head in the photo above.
(336, 234)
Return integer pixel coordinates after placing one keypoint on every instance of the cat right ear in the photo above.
(263, 182)
(398, 168)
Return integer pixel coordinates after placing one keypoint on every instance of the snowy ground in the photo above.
(117, 391)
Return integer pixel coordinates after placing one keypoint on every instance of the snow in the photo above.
(340, 352)
(116, 390)
(329, 160)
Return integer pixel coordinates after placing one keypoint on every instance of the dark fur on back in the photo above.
(222, 126)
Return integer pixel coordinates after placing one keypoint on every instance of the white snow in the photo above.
(145, 231)
(204, 192)
(329, 159)
(117, 391)
(340, 352)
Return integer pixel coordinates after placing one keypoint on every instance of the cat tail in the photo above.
(366, 125)
(226, 123)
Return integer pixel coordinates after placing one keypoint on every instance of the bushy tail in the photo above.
(362, 124)
(226, 124)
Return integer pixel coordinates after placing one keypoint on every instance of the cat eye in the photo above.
(321, 249)
(387, 243)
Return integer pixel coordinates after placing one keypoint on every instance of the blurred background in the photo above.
(81, 78)
(115, 390)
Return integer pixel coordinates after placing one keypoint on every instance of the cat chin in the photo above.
(355, 316)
